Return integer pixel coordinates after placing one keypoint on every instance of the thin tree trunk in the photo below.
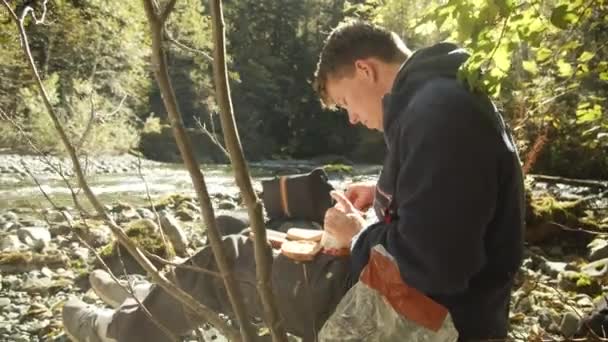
(159, 64)
(263, 253)
(161, 280)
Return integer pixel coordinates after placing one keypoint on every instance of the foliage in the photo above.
(544, 61)
(86, 69)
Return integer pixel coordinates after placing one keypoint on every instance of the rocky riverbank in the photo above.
(46, 255)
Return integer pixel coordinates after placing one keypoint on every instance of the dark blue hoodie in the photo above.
(450, 197)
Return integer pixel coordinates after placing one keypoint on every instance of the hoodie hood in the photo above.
(440, 60)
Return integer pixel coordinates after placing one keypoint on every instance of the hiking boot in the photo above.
(113, 293)
(80, 321)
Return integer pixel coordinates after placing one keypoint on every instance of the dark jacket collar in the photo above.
(439, 60)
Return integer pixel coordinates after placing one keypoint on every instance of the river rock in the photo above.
(9, 226)
(596, 269)
(579, 282)
(570, 323)
(184, 214)
(59, 216)
(598, 249)
(11, 216)
(172, 228)
(548, 319)
(35, 237)
(37, 285)
(4, 302)
(146, 213)
(11, 243)
(226, 205)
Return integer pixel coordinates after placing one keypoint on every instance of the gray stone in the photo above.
(226, 205)
(11, 216)
(11, 243)
(569, 324)
(59, 216)
(9, 225)
(547, 318)
(4, 302)
(553, 268)
(12, 281)
(146, 213)
(174, 232)
(598, 249)
(37, 285)
(5, 328)
(35, 237)
(184, 215)
(596, 269)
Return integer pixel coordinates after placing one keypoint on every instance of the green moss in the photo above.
(145, 234)
(106, 250)
(171, 201)
(8, 258)
(338, 168)
(583, 281)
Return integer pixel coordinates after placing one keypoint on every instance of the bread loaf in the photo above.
(304, 234)
(300, 250)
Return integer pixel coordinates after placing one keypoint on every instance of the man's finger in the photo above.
(342, 200)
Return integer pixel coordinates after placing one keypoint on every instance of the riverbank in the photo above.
(44, 259)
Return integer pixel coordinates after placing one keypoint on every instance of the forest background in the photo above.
(544, 62)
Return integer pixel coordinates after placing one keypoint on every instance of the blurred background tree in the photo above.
(544, 62)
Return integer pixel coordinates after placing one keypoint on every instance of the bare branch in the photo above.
(167, 11)
(212, 137)
(170, 249)
(173, 290)
(263, 254)
(183, 46)
(29, 9)
(159, 64)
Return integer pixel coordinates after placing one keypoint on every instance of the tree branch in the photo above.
(159, 64)
(263, 253)
(167, 11)
(122, 238)
(183, 46)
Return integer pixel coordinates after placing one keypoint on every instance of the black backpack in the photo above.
(301, 196)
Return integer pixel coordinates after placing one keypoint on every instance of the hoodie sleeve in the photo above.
(446, 192)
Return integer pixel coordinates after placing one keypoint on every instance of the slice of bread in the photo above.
(304, 234)
(275, 238)
(300, 250)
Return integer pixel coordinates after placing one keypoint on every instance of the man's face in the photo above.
(359, 94)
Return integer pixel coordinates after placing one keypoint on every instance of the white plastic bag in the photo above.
(381, 307)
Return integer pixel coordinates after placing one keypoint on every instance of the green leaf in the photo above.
(588, 114)
(564, 68)
(502, 58)
(531, 67)
(543, 54)
(561, 17)
(586, 57)
(604, 76)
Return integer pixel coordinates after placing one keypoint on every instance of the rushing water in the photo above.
(21, 191)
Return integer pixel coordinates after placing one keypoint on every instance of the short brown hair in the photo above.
(352, 40)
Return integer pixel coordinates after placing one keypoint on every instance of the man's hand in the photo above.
(344, 220)
(361, 195)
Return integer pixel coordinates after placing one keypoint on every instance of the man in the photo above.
(449, 200)
(450, 195)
